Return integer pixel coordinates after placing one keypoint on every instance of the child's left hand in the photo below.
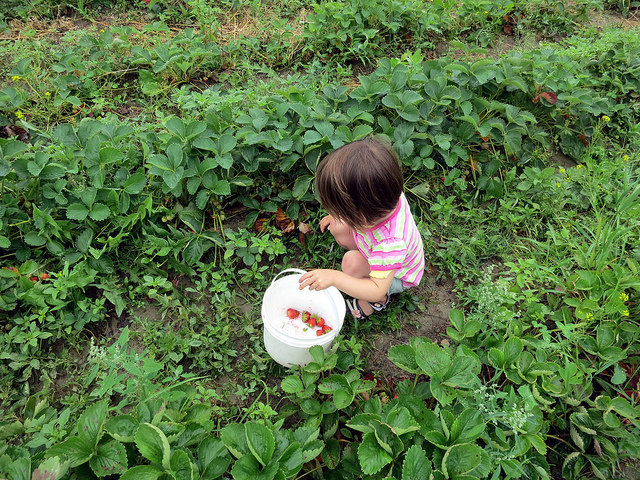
(317, 279)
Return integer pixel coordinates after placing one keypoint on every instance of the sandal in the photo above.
(378, 307)
(357, 312)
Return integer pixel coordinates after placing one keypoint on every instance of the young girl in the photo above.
(360, 185)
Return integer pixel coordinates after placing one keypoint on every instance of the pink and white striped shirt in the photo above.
(394, 244)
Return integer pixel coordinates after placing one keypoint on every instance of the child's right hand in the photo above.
(325, 222)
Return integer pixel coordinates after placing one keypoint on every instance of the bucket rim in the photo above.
(331, 293)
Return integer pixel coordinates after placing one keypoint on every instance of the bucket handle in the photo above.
(288, 270)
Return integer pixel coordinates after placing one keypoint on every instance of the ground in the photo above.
(437, 296)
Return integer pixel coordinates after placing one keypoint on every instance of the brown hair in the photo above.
(360, 182)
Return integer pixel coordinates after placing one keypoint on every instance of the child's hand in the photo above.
(317, 279)
(324, 223)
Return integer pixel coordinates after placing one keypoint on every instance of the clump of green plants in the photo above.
(364, 30)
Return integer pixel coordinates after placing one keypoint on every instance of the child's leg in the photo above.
(353, 262)
(356, 265)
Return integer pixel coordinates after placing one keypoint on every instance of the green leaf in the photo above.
(182, 466)
(99, 212)
(135, 183)
(193, 252)
(371, 455)
(513, 347)
(311, 450)
(444, 394)
(12, 148)
(202, 199)
(260, 442)
(173, 178)
(404, 356)
(343, 398)
(401, 421)
(66, 135)
(195, 128)
(235, 439)
(222, 188)
(432, 359)
(75, 449)
(205, 143)
(91, 422)
(83, 241)
(213, 458)
(142, 472)
(467, 426)
(18, 469)
(242, 181)
(34, 239)
(538, 443)
(110, 459)
(77, 211)
(461, 459)
(176, 126)
(416, 465)
(331, 454)
(388, 439)
(496, 357)
(311, 137)
(361, 131)
(292, 384)
(622, 407)
(226, 143)
(584, 422)
(301, 186)
(153, 444)
(291, 461)
(248, 468)
(89, 128)
(110, 155)
(410, 113)
(462, 372)
(225, 161)
(122, 427)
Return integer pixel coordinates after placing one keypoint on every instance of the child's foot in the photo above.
(362, 310)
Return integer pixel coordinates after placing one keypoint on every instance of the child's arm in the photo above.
(368, 289)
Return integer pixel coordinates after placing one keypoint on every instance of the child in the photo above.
(360, 185)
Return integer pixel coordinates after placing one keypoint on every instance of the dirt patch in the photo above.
(614, 19)
(437, 297)
(561, 160)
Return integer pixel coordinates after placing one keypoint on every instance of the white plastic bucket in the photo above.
(285, 293)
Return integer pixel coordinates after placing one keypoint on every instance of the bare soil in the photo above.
(437, 297)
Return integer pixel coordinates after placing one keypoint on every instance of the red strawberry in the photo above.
(34, 279)
(312, 322)
(291, 313)
(320, 322)
(305, 316)
(44, 276)
(326, 328)
(319, 332)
